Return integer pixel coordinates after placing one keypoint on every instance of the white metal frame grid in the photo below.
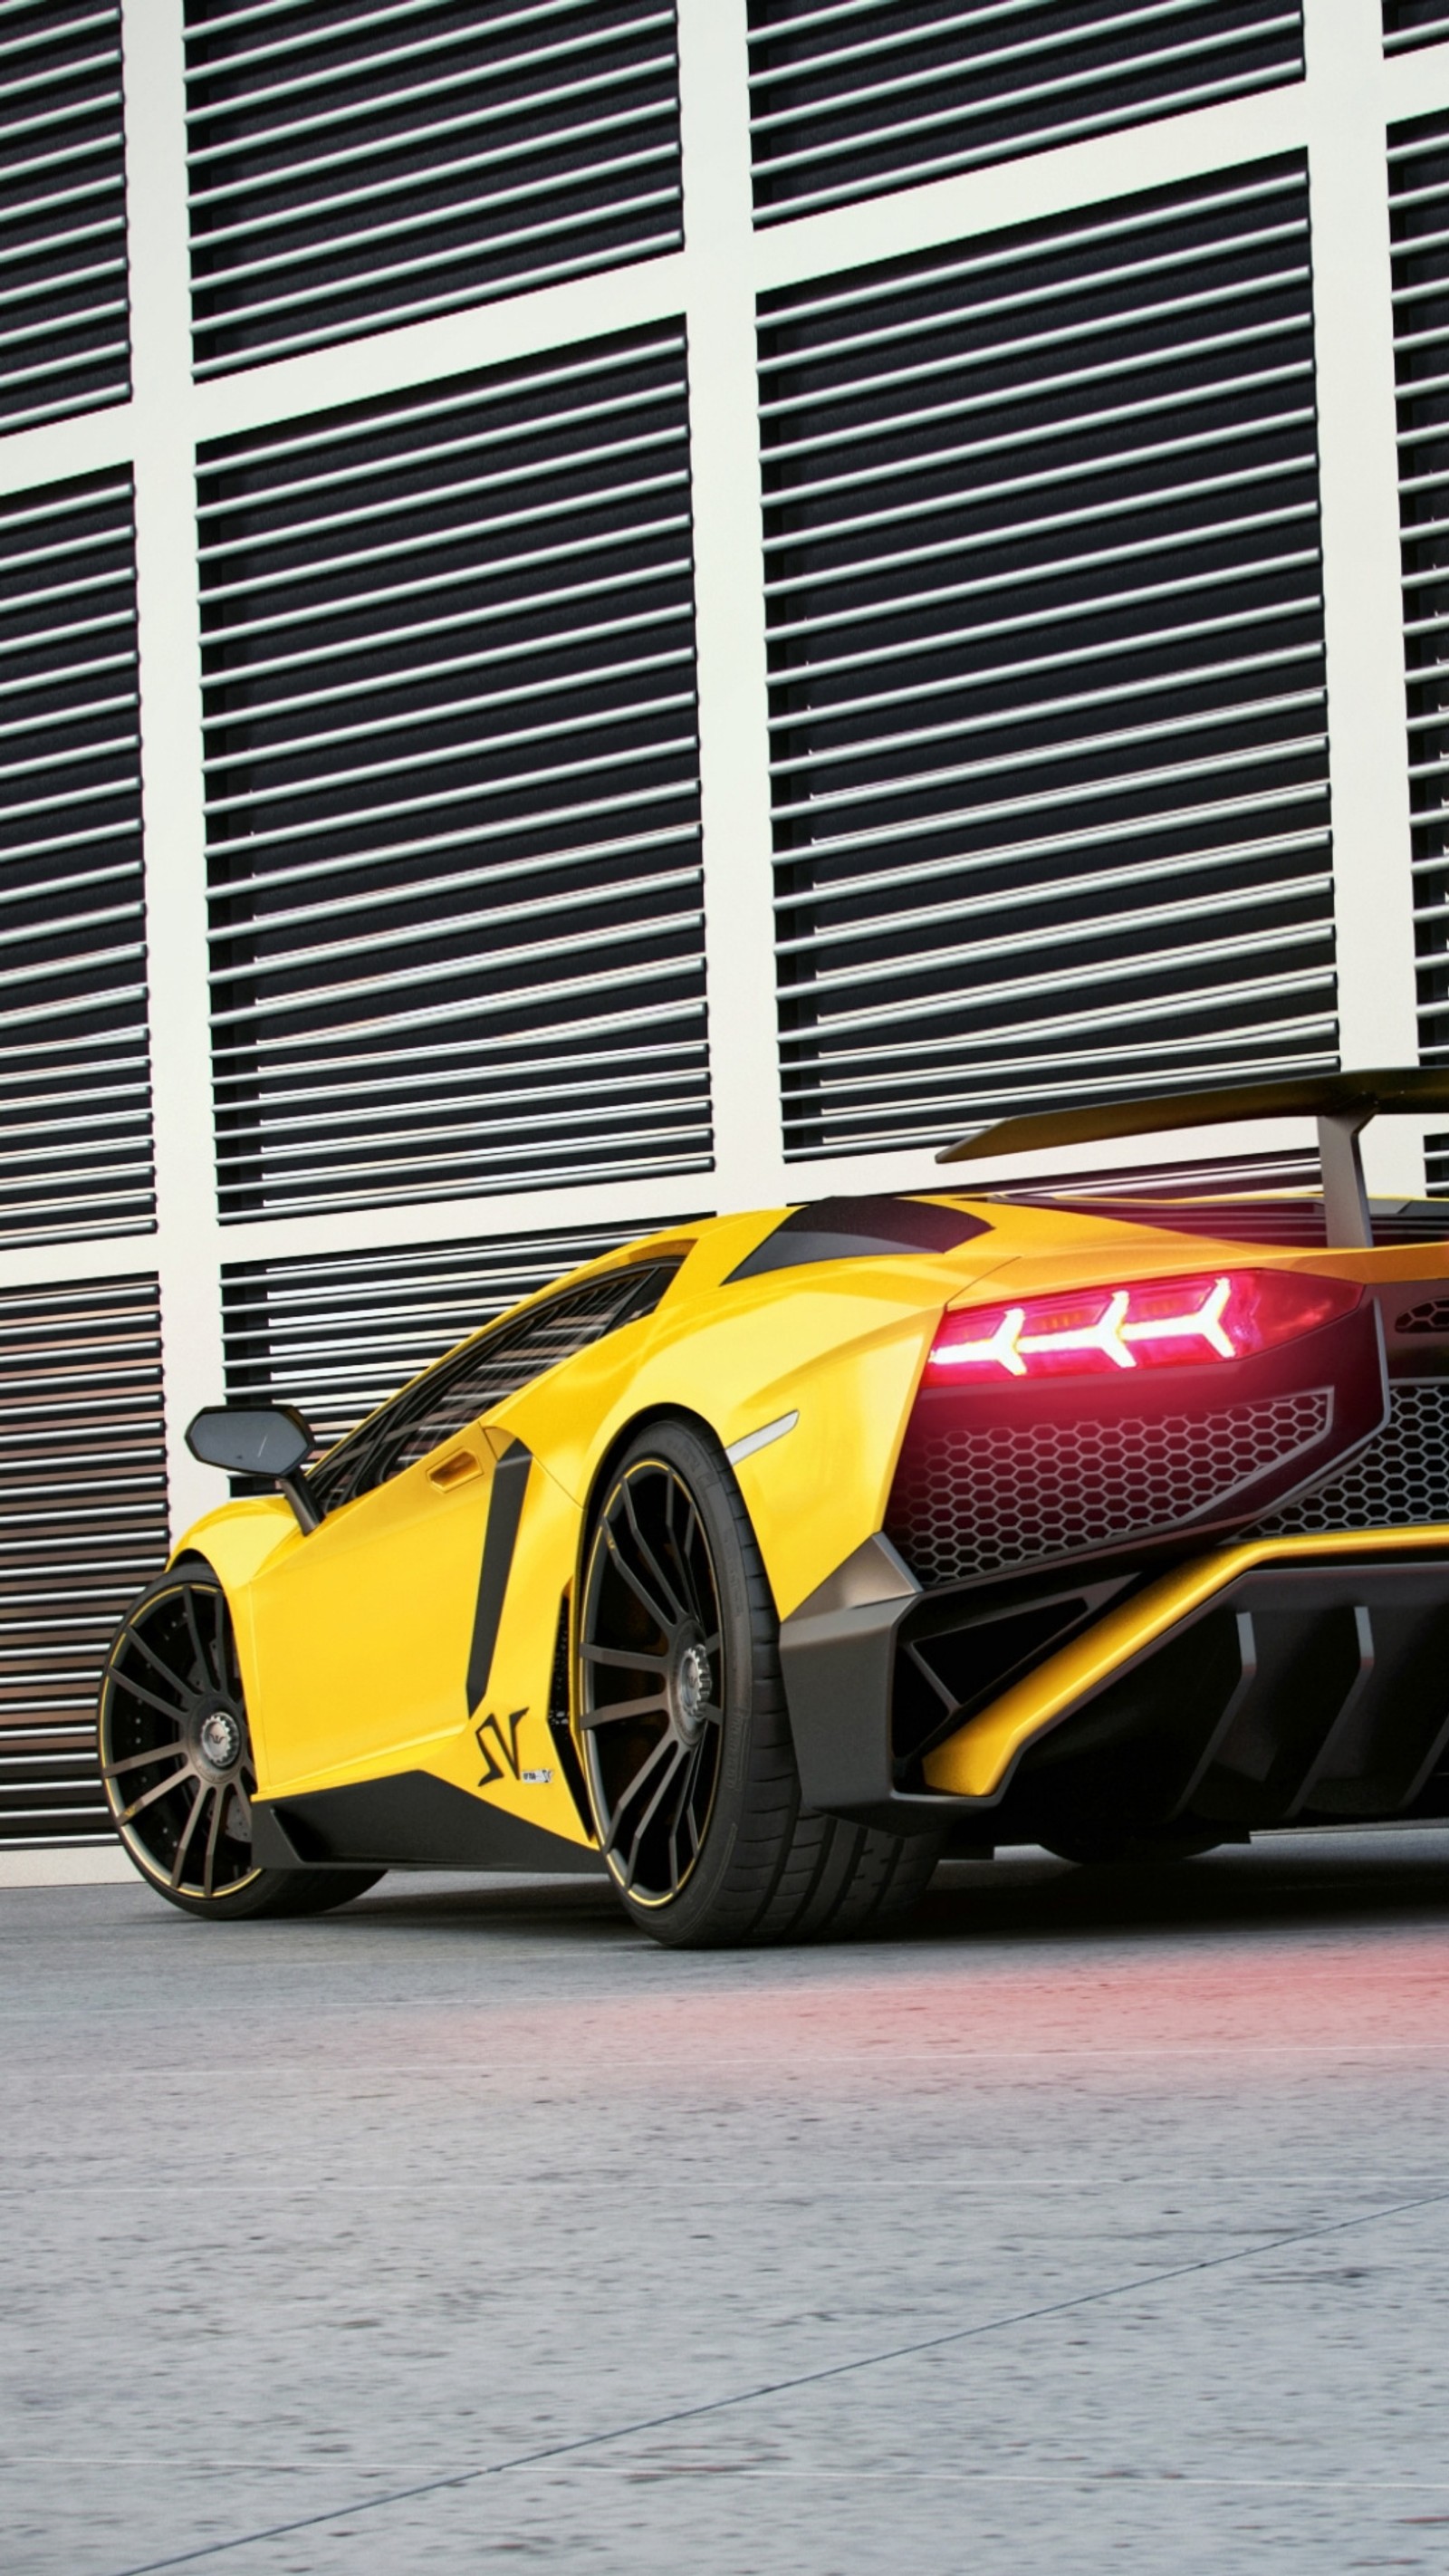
(1338, 113)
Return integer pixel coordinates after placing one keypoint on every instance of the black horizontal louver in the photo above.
(1047, 678)
(452, 778)
(852, 97)
(82, 1527)
(1419, 217)
(75, 1090)
(64, 321)
(1408, 23)
(340, 1333)
(355, 166)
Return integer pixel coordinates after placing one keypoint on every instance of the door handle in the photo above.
(455, 1470)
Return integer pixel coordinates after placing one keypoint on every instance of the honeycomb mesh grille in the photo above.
(1400, 1479)
(971, 1501)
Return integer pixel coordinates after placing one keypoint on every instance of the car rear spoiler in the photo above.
(1342, 1104)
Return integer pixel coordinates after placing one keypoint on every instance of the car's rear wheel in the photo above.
(685, 1738)
(176, 1760)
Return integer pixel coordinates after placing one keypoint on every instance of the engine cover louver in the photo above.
(338, 1334)
(861, 96)
(453, 799)
(75, 1086)
(355, 166)
(1419, 214)
(64, 315)
(1408, 23)
(1047, 678)
(82, 1527)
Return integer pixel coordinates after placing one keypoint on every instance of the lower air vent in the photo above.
(1398, 1482)
(982, 1501)
(82, 1527)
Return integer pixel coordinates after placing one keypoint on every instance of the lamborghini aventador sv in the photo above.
(762, 1562)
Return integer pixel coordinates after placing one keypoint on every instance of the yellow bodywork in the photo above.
(354, 1638)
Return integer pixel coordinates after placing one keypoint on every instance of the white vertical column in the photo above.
(171, 775)
(729, 577)
(1348, 187)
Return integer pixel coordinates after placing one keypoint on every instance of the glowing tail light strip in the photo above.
(1010, 1346)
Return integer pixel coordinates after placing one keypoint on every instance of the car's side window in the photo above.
(470, 1381)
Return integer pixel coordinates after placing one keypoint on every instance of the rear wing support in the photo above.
(1341, 1104)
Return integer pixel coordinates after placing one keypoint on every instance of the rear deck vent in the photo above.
(355, 165)
(452, 782)
(1408, 23)
(1047, 677)
(856, 96)
(1419, 214)
(75, 1084)
(64, 322)
(82, 1527)
(338, 1334)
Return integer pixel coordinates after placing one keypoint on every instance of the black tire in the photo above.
(176, 1761)
(685, 1738)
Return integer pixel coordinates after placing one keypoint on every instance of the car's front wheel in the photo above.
(176, 1760)
(686, 1741)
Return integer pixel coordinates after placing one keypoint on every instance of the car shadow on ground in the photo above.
(1332, 1879)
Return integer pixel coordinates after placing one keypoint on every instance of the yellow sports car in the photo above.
(766, 1560)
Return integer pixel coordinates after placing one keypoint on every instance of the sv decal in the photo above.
(500, 1751)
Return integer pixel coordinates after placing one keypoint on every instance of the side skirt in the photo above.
(409, 1820)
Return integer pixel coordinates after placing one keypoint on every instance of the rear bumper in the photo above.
(1281, 1680)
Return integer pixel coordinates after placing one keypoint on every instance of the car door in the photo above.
(361, 1633)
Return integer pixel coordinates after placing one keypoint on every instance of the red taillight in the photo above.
(1158, 1323)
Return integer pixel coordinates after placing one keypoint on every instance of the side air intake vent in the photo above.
(82, 1527)
(354, 166)
(453, 794)
(1408, 23)
(75, 1085)
(339, 1334)
(1046, 650)
(64, 328)
(863, 95)
(1419, 214)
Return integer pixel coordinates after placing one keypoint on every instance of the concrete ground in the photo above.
(1101, 2221)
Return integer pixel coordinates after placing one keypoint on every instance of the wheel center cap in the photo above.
(219, 1739)
(691, 1690)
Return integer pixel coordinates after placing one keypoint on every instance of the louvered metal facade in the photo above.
(82, 1527)
(75, 1103)
(852, 98)
(64, 329)
(1411, 23)
(1419, 188)
(359, 165)
(335, 1337)
(1046, 644)
(453, 797)
(610, 608)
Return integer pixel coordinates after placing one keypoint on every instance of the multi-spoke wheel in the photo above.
(176, 1759)
(681, 1715)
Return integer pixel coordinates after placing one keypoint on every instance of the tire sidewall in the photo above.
(697, 1458)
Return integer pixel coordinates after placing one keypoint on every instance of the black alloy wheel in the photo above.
(654, 1681)
(176, 1760)
(682, 1723)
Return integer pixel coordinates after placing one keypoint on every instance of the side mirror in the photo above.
(269, 1440)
